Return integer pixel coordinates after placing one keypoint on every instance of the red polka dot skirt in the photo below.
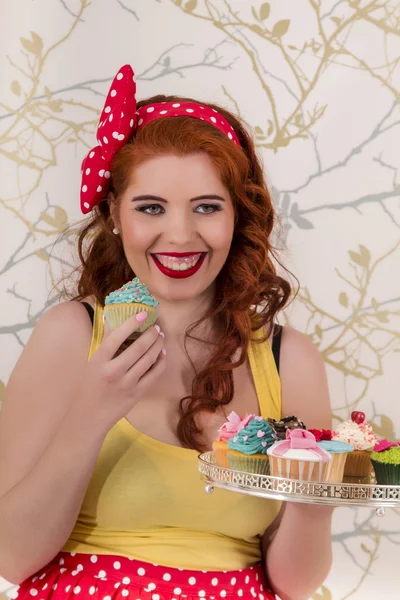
(78, 576)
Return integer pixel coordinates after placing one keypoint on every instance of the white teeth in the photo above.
(176, 263)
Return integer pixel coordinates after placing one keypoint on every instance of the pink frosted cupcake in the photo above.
(359, 434)
(228, 430)
(299, 457)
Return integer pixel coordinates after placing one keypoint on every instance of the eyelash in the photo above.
(143, 209)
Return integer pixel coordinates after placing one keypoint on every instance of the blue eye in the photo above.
(150, 209)
(214, 208)
(156, 209)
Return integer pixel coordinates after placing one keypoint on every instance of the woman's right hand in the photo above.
(112, 385)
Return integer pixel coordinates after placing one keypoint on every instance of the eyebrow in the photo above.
(159, 199)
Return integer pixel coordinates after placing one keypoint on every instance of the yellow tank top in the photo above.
(146, 500)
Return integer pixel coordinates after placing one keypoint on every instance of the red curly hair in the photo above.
(249, 276)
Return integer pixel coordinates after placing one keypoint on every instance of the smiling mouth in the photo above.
(179, 261)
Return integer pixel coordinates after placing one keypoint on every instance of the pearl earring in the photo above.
(115, 230)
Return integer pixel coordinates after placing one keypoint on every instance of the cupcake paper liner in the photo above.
(358, 464)
(302, 470)
(220, 451)
(252, 463)
(116, 314)
(386, 474)
(336, 467)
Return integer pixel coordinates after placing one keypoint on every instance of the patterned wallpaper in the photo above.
(318, 81)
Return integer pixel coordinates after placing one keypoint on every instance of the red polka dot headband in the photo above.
(119, 120)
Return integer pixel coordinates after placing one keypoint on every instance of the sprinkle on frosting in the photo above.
(359, 435)
(256, 438)
(133, 291)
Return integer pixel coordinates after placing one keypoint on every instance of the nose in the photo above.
(180, 228)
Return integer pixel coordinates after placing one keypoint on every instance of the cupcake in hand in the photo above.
(299, 457)
(131, 299)
(385, 459)
(359, 434)
(248, 449)
(228, 430)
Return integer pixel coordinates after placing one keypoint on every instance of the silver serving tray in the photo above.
(279, 488)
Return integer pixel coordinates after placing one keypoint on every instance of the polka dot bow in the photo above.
(119, 120)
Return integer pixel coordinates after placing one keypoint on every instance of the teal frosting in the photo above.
(250, 439)
(335, 447)
(133, 291)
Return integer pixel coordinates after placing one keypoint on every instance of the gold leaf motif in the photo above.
(385, 429)
(323, 594)
(318, 331)
(280, 28)
(60, 218)
(270, 127)
(55, 105)
(35, 45)
(362, 259)
(16, 87)
(257, 28)
(42, 255)
(191, 6)
(374, 304)
(336, 20)
(265, 11)
(383, 317)
(59, 221)
(344, 299)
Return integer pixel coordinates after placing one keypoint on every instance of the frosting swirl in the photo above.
(359, 435)
(232, 426)
(133, 291)
(255, 438)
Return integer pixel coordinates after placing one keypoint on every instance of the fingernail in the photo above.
(142, 316)
(162, 334)
(158, 328)
(164, 351)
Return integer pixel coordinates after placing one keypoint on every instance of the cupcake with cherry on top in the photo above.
(359, 434)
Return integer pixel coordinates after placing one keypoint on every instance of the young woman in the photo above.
(99, 490)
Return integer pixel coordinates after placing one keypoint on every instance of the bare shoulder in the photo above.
(41, 387)
(303, 379)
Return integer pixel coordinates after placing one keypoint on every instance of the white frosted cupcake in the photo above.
(299, 457)
(361, 436)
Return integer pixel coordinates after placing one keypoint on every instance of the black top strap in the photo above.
(276, 340)
(90, 310)
(276, 344)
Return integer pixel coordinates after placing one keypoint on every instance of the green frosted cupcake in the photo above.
(386, 462)
(248, 449)
(131, 299)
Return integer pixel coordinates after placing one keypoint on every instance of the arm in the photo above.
(58, 409)
(297, 546)
(44, 476)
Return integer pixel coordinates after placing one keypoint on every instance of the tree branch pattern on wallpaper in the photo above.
(298, 59)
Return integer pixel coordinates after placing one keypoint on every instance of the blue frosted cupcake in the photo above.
(131, 299)
(248, 449)
(339, 452)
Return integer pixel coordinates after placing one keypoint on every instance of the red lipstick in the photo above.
(179, 274)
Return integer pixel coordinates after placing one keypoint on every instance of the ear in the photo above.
(112, 205)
